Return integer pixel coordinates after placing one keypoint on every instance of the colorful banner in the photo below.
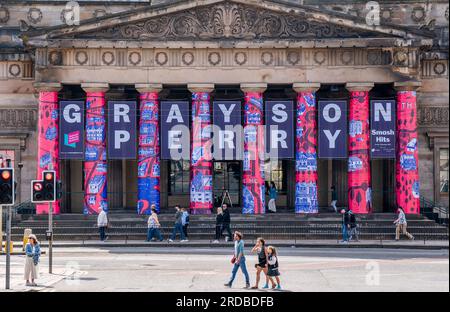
(175, 139)
(407, 171)
(227, 119)
(122, 129)
(382, 129)
(201, 159)
(48, 149)
(95, 166)
(71, 130)
(280, 129)
(359, 180)
(149, 159)
(253, 201)
(333, 129)
(306, 154)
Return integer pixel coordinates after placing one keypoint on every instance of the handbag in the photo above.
(233, 260)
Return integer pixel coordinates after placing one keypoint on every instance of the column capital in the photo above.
(201, 87)
(95, 86)
(148, 87)
(47, 86)
(306, 86)
(254, 87)
(359, 86)
(407, 85)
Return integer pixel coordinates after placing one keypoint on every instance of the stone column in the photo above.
(306, 178)
(149, 149)
(359, 179)
(201, 155)
(253, 193)
(407, 188)
(95, 164)
(48, 135)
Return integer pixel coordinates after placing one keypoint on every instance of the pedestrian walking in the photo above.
(102, 224)
(345, 226)
(273, 271)
(178, 227)
(262, 266)
(226, 222)
(334, 198)
(401, 225)
(238, 261)
(273, 193)
(32, 259)
(154, 227)
(219, 224)
(353, 226)
(185, 222)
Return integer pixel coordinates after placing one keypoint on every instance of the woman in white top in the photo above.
(154, 227)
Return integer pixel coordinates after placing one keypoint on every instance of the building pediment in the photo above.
(236, 20)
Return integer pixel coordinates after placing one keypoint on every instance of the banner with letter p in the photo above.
(122, 130)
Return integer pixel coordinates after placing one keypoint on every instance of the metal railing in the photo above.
(433, 211)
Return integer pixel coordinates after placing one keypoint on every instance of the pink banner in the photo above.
(149, 154)
(48, 141)
(306, 154)
(359, 180)
(407, 166)
(253, 178)
(201, 157)
(95, 166)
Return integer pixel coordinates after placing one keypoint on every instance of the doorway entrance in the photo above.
(227, 177)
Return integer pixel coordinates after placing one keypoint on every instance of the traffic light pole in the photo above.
(50, 242)
(8, 248)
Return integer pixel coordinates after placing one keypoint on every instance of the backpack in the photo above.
(352, 219)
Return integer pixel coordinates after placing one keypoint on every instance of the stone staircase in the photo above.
(277, 226)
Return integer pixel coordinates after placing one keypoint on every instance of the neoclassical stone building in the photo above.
(206, 50)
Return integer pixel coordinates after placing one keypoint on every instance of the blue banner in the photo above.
(333, 129)
(122, 130)
(175, 134)
(71, 130)
(227, 122)
(382, 132)
(279, 129)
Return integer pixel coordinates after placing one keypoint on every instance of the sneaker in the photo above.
(247, 286)
(215, 242)
(170, 240)
(184, 241)
(255, 287)
(227, 285)
(106, 238)
(413, 238)
(278, 287)
(266, 286)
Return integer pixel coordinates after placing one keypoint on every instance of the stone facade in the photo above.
(180, 42)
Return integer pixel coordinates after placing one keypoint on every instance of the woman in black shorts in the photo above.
(261, 250)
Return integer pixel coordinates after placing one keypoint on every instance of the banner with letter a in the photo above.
(175, 134)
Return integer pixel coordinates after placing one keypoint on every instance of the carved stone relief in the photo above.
(433, 116)
(11, 118)
(225, 21)
(4, 15)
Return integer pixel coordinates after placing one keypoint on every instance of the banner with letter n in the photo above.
(175, 133)
(280, 129)
(333, 129)
(382, 129)
(227, 120)
(71, 130)
(122, 130)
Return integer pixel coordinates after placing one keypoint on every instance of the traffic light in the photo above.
(44, 191)
(59, 190)
(7, 186)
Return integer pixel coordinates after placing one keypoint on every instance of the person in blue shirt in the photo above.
(273, 193)
(185, 221)
(33, 254)
(239, 261)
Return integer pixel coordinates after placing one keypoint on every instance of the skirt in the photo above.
(31, 270)
(272, 272)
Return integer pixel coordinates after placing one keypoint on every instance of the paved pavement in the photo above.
(404, 244)
(206, 269)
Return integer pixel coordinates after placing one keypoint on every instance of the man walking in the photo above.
(102, 224)
(226, 221)
(345, 226)
(239, 261)
(178, 227)
(353, 226)
(401, 225)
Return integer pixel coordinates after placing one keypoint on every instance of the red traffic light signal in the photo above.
(6, 174)
(37, 186)
(7, 186)
(48, 176)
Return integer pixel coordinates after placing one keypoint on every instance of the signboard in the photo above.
(333, 129)
(71, 130)
(280, 129)
(175, 134)
(122, 129)
(227, 130)
(382, 132)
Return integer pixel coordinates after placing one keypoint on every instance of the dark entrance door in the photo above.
(227, 177)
